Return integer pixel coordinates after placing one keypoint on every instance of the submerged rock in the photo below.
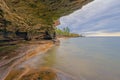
(43, 74)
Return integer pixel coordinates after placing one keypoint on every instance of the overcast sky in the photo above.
(98, 18)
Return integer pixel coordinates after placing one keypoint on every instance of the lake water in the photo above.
(87, 58)
(84, 58)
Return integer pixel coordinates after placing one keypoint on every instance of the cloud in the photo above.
(97, 16)
(104, 34)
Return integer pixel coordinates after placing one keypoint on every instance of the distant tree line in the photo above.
(65, 32)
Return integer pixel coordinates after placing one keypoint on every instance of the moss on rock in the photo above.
(25, 15)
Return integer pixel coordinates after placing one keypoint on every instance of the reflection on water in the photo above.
(87, 58)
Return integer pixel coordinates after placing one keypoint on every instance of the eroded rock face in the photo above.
(35, 16)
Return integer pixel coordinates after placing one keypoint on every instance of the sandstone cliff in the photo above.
(32, 18)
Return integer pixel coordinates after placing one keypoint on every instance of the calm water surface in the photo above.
(87, 58)
(84, 58)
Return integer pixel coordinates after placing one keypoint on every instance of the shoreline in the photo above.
(29, 51)
(34, 49)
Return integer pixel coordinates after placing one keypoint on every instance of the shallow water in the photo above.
(87, 58)
(84, 58)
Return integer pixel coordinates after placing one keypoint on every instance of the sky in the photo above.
(98, 18)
